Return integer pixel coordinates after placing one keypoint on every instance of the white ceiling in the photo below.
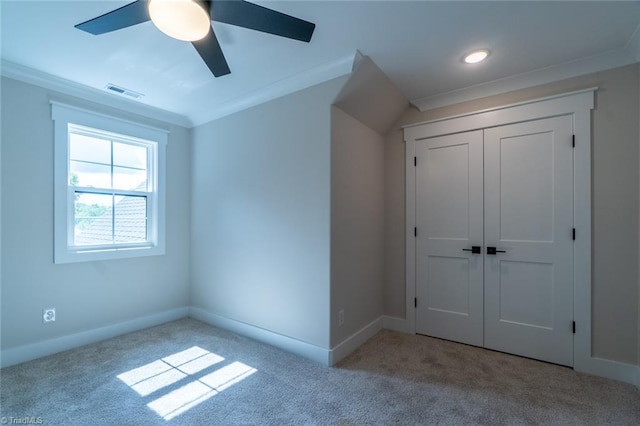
(418, 44)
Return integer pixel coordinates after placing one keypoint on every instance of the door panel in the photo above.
(528, 201)
(526, 293)
(449, 215)
(449, 204)
(526, 164)
(449, 285)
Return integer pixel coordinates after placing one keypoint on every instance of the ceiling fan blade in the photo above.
(211, 53)
(252, 16)
(126, 16)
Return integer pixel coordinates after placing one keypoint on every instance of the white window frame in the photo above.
(65, 115)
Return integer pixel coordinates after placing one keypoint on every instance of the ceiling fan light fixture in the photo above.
(184, 20)
(476, 56)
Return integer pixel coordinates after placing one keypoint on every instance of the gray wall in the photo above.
(615, 214)
(357, 220)
(86, 295)
(260, 215)
(367, 106)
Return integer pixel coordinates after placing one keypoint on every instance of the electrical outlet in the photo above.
(341, 318)
(49, 315)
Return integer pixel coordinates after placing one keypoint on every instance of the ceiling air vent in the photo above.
(123, 91)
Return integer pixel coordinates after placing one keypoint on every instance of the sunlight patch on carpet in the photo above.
(180, 400)
(183, 366)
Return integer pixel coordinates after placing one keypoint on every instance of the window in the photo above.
(109, 187)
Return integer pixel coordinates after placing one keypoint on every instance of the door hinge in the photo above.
(415, 232)
(574, 234)
(574, 327)
(415, 302)
(415, 161)
(573, 141)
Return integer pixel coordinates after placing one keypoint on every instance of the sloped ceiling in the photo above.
(371, 98)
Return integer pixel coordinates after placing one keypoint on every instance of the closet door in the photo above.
(528, 213)
(449, 214)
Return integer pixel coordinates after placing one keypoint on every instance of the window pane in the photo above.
(129, 155)
(89, 174)
(93, 219)
(130, 179)
(87, 148)
(130, 219)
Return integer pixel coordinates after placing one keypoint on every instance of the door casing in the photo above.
(578, 105)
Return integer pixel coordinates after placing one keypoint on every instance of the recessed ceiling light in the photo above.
(476, 56)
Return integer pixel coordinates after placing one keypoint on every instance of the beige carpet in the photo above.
(187, 373)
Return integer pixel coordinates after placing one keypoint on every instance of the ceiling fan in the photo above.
(190, 20)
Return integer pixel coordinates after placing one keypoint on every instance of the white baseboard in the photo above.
(395, 324)
(31, 351)
(354, 341)
(615, 370)
(289, 344)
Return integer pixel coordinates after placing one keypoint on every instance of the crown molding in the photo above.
(294, 83)
(286, 86)
(68, 87)
(613, 59)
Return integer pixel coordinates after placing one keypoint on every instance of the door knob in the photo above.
(474, 249)
(493, 250)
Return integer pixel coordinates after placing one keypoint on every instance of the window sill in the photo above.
(89, 255)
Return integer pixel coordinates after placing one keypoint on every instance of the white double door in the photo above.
(508, 188)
